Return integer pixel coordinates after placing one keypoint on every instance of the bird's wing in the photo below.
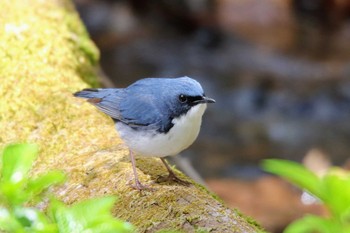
(105, 99)
(140, 110)
(136, 110)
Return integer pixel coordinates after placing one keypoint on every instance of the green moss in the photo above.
(82, 47)
(203, 230)
(250, 220)
(45, 52)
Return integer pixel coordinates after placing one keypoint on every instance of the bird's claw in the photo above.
(139, 186)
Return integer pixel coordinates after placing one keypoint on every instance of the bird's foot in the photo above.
(173, 178)
(139, 186)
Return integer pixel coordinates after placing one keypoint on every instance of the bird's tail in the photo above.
(96, 95)
(89, 93)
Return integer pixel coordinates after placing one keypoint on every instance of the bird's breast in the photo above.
(179, 137)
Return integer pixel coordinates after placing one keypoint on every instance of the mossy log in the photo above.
(46, 55)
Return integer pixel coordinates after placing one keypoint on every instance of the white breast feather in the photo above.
(180, 136)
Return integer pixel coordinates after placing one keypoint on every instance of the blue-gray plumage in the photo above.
(154, 116)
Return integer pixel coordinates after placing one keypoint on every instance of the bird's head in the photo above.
(172, 97)
(184, 93)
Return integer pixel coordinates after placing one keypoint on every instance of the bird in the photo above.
(155, 117)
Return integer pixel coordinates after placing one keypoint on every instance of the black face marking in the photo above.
(190, 100)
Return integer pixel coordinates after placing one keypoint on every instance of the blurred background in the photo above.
(278, 69)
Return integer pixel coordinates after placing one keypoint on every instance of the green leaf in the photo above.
(39, 184)
(90, 215)
(112, 226)
(311, 224)
(99, 206)
(296, 174)
(17, 160)
(8, 223)
(345, 216)
(336, 187)
(58, 213)
(12, 194)
(34, 220)
(17, 189)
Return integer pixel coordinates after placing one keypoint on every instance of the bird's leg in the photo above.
(172, 176)
(138, 185)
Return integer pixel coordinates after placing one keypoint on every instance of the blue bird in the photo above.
(155, 117)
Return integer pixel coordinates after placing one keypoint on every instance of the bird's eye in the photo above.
(182, 98)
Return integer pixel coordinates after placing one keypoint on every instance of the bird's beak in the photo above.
(207, 100)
